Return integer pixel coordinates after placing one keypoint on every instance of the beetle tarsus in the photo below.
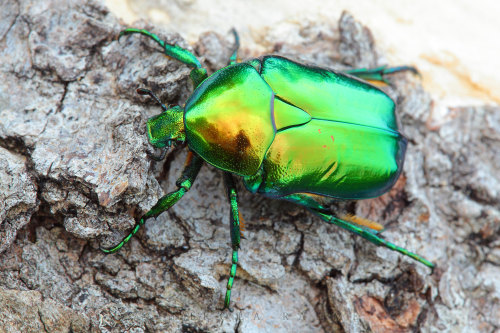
(379, 73)
(234, 56)
(125, 239)
(184, 183)
(391, 70)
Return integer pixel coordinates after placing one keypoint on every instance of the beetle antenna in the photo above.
(144, 91)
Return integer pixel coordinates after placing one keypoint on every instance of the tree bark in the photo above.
(75, 174)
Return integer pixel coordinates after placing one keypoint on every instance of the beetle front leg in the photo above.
(235, 233)
(377, 74)
(198, 73)
(370, 236)
(184, 183)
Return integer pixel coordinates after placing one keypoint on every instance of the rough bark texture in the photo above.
(74, 174)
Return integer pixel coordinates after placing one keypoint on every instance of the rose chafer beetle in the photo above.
(291, 131)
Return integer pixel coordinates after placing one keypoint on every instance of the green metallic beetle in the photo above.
(291, 131)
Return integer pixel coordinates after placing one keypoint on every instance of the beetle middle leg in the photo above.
(234, 56)
(235, 233)
(184, 183)
(377, 74)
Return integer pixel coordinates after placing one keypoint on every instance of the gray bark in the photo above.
(74, 175)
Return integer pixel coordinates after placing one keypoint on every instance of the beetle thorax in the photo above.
(228, 119)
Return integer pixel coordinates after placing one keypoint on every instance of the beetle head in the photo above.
(167, 128)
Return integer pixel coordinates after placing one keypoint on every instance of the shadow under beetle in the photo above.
(291, 131)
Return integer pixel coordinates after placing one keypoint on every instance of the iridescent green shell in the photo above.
(350, 149)
(228, 119)
(290, 128)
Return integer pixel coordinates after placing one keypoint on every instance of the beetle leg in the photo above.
(377, 74)
(235, 233)
(234, 57)
(320, 203)
(364, 228)
(198, 73)
(184, 183)
(370, 236)
(366, 224)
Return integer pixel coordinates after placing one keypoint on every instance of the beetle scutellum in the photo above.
(291, 131)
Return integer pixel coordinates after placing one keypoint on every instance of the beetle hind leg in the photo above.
(370, 236)
(235, 233)
(184, 183)
(379, 73)
(365, 228)
(320, 203)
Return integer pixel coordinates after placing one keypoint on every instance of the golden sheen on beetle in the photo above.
(292, 131)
